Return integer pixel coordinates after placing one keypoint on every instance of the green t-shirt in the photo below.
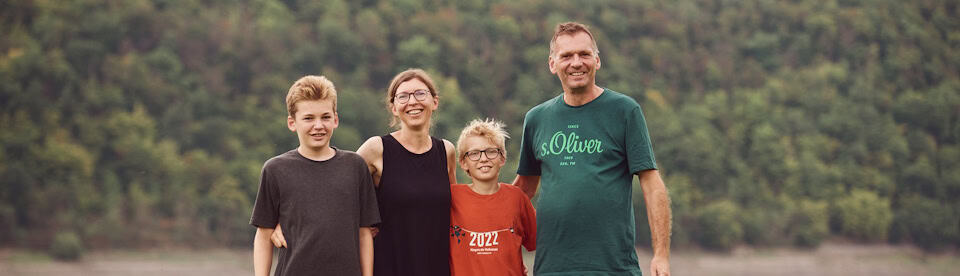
(586, 156)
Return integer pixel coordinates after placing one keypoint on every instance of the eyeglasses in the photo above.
(491, 153)
(421, 95)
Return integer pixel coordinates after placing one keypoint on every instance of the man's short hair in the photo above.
(488, 128)
(311, 88)
(409, 74)
(571, 28)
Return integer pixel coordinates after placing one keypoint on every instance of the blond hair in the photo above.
(409, 74)
(310, 88)
(488, 128)
(571, 28)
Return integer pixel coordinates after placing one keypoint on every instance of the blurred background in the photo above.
(821, 136)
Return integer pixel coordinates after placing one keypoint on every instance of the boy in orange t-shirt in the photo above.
(489, 221)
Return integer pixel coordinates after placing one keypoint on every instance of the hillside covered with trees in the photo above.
(129, 124)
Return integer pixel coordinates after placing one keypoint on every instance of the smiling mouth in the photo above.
(414, 112)
(318, 135)
(577, 74)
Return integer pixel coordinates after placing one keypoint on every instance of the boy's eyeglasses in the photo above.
(491, 154)
(420, 95)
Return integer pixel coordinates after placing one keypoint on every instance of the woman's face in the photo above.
(416, 110)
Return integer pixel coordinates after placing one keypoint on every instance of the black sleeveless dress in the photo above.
(414, 200)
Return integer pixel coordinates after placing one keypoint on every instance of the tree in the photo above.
(930, 224)
(863, 216)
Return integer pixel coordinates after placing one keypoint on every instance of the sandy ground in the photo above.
(829, 259)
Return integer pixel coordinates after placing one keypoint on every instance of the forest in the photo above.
(145, 123)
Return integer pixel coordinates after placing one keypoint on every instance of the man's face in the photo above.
(487, 166)
(314, 124)
(575, 61)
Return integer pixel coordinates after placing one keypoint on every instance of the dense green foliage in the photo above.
(717, 226)
(66, 246)
(140, 123)
(926, 222)
(863, 216)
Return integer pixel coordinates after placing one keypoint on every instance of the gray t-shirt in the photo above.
(321, 205)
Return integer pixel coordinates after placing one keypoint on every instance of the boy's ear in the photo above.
(290, 124)
(463, 166)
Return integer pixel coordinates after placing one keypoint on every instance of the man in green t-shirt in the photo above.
(585, 146)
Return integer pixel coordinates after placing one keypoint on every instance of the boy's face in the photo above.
(314, 124)
(487, 168)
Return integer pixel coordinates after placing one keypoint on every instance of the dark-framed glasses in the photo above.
(420, 95)
(491, 154)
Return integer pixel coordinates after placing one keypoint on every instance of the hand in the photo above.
(374, 231)
(277, 238)
(659, 266)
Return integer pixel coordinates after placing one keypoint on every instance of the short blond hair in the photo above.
(409, 74)
(310, 88)
(488, 128)
(571, 28)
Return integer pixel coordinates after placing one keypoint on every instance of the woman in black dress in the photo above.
(413, 172)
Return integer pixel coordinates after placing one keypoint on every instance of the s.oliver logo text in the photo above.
(567, 143)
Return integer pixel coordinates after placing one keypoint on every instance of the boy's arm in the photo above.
(528, 217)
(366, 251)
(262, 252)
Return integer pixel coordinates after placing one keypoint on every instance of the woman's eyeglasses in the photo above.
(420, 95)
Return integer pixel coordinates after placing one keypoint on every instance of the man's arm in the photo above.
(527, 183)
(659, 216)
(262, 252)
(366, 251)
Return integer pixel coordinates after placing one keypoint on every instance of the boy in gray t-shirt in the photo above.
(323, 196)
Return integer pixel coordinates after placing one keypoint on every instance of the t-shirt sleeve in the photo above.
(528, 219)
(369, 211)
(266, 209)
(639, 149)
(529, 165)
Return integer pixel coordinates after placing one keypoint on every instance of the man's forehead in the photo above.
(574, 41)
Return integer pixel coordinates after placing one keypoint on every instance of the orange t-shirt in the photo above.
(486, 231)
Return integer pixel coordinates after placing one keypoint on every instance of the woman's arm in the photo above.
(451, 161)
(372, 153)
